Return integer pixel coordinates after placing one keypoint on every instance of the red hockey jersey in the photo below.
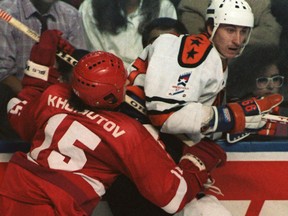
(79, 154)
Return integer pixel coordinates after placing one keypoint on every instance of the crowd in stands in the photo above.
(245, 60)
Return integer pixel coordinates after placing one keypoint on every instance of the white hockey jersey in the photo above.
(181, 75)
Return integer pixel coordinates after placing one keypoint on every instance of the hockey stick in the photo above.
(276, 118)
(66, 57)
(69, 59)
(133, 103)
(32, 34)
(233, 138)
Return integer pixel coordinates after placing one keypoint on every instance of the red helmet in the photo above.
(99, 80)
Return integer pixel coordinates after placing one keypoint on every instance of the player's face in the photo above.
(230, 39)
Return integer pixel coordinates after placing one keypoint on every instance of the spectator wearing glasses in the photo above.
(258, 73)
(255, 73)
(269, 85)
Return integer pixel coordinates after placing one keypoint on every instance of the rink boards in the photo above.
(254, 180)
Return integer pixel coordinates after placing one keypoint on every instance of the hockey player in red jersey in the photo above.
(184, 77)
(80, 143)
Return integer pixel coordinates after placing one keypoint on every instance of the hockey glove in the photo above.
(199, 160)
(40, 71)
(240, 116)
(270, 127)
(206, 155)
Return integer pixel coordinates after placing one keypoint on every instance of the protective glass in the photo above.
(263, 82)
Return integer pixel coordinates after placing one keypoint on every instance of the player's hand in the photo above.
(40, 71)
(243, 116)
(269, 129)
(206, 155)
(44, 52)
(248, 113)
(65, 46)
(40, 67)
(199, 160)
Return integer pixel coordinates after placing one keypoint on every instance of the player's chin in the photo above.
(232, 54)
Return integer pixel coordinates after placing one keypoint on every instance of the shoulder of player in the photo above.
(60, 89)
(126, 122)
(122, 119)
(194, 50)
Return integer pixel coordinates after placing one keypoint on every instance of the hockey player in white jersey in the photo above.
(184, 77)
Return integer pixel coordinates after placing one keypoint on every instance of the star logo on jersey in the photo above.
(181, 84)
(196, 42)
(192, 53)
(193, 50)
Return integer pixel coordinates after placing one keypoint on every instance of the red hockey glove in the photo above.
(206, 155)
(65, 46)
(198, 161)
(245, 115)
(44, 52)
(40, 71)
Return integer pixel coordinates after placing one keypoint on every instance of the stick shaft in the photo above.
(35, 36)
(276, 118)
(133, 103)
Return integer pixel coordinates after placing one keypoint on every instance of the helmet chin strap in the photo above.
(211, 39)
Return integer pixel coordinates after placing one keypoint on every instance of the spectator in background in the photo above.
(160, 26)
(116, 26)
(280, 11)
(15, 45)
(266, 29)
(255, 73)
(175, 2)
(75, 3)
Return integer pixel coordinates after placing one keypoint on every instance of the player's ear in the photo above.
(209, 29)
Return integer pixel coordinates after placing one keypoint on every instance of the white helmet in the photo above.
(234, 12)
